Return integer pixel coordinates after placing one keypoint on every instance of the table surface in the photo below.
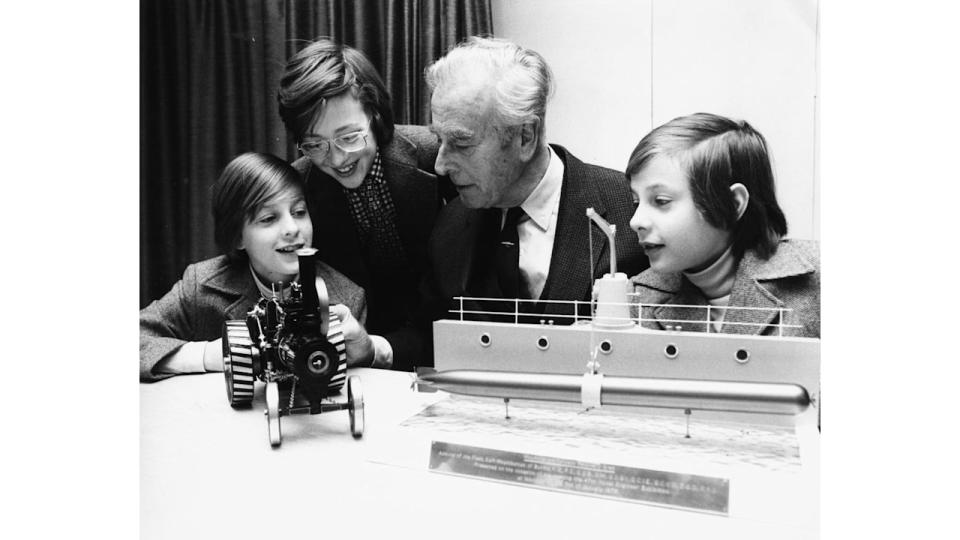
(208, 470)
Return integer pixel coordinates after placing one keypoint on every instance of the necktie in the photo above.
(508, 255)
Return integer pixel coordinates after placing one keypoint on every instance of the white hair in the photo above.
(520, 79)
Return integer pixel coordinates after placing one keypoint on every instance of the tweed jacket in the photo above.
(407, 164)
(463, 243)
(789, 279)
(209, 293)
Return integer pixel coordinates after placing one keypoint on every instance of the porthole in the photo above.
(606, 347)
(543, 343)
(485, 339)
(743, 356)
(671, 351)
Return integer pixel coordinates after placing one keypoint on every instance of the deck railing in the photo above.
(578, 310)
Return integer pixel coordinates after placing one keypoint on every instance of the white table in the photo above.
(208, 471)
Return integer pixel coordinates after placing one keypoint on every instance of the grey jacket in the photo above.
(789, 279)
(209, 293)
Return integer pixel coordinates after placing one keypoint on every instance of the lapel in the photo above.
(758, 285)
(468, 251)
(414, 194)
(748, 292)
(675, 291)
(571, 270)
(467, 260)
(234, 286)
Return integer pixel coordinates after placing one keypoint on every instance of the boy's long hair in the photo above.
(248, 182)
(717, 152)
(325, 69)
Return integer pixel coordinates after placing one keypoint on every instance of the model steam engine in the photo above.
(292, 344)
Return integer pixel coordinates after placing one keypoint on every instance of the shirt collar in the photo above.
(376, 169)
(266, 291)
(544, 200)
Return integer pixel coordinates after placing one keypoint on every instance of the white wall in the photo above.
(600, 59)
(623, 67)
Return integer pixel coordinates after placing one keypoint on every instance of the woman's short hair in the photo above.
(521, 80)
(717, 152)
(325, 69)
(248, 182)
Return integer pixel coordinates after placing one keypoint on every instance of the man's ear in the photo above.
(740, 198)
(529, 138)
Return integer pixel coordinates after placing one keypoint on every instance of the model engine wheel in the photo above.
(335, 337)
(273, 413)
(239, 355)
(355, 400)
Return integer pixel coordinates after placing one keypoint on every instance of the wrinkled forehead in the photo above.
(458, 107)
(468, 87)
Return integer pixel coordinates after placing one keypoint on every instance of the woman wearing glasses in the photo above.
(370, 185)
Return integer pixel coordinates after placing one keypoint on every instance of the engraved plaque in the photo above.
(703, 493)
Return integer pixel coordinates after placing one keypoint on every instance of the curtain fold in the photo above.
(209, 71)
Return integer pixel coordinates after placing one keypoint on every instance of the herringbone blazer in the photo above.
(789, 279)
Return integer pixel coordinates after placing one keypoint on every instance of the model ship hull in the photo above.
(632, 352)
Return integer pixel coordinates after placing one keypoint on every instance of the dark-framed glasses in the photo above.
(351, 142)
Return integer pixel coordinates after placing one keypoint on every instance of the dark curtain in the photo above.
(209, 71)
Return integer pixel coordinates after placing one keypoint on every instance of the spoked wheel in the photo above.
(273, 413)
(355, 399)
(238, 357)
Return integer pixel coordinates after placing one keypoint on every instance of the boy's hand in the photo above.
(213, 355)
(359, 345)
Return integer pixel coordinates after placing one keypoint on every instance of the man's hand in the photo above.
(359, 345)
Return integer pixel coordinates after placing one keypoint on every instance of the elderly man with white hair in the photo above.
(518, 227)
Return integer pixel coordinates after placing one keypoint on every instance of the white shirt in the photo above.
(537, 233)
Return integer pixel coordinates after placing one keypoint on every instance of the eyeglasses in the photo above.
(351, 142)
